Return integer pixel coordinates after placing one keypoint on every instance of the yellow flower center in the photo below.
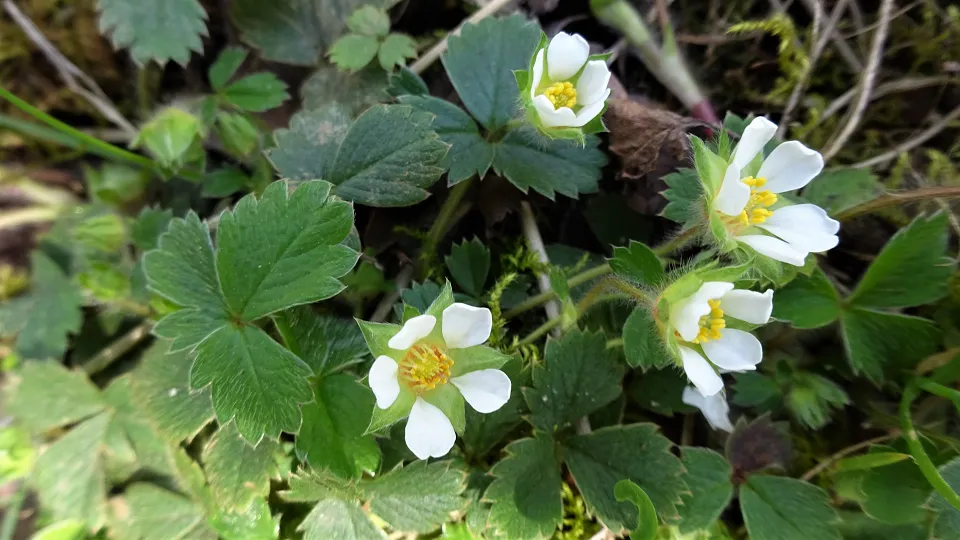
(711, 324)
(424, 367)
(561, 94)
(756, 209)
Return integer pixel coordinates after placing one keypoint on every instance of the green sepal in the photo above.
(448, 399)
(475, 358)
(397, 411)
(377, 335)
(710, 167)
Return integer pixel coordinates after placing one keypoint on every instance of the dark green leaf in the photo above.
(708, 475)
(257, 93)
(469, 153)
(480, 63)
(683, 193)
(355, 92)
(638, 263)
(46, 395)
(634, 452)
(911, 270)
(343, 520)
(327, 344)
(836, 190)
(756, 390)
(149, 225)
(226, 66)
(420, 295)
(525, 491)
(549, 166)
(807, 302)
(776, 508)
(169, 136)
(858, 526)
(642, 343)
(404, 82)
(875, 341)
(418, 497)
(870, 461)
(895, 494)
(469, 264)
(369, 21)
(625, 490)
(239, 135)
(307, 149)
(948, 520)
(238, 472)
(224, 182)
(812, 398)
(157, 30)
(660, 391)
(579, 376)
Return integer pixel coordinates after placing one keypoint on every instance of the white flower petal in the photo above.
(413, 331)
(465, 326)
(714, 408)
(790, 166)
(734, 194)
(566, 54)
(593, 83)
(748, 306)
(700, 372)
(537, 73)
(383, 381)
(736, 350)
(550, 117)
(806, 227)
(685, 314)
(774, 248)
(757, 134)
(486, 390)
(588, 113)
(429, 432)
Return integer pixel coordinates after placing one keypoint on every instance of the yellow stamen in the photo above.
(561, 94)
(756, 210)
(711, 324)
(424, 367)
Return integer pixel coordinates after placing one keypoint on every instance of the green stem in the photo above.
(920, 456)
(540, 331)
(118, 348)
(11, 515)
(614, 343)
(938, 389)
(447, 212)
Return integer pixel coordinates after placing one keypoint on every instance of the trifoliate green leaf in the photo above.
(911, 270)
(162, 386)
(352, 52)
(327, 344)
(549, 166)
(807, 302)
(157, 30)
(708, 477)
(876, 341)
(238, 472)
(395, 49)
(307, 149)
(272, 254)
(46, 395)
(480, 63)
(256, 93)
(419, 296)
(418, 497)
(42, 318)
(776, 508)
(469, 153)
(836, 190)
(148, 512)
(635, 452)
(642, 343)
(369, 21)
(525, 491)
(226, 65)
(895, 494)
(469, 264)
(355, 92)
(388, 157)
(68, 476)
(948, 518)
(638, 263)
(627, 491)
(331, 437)
(684, 193)
(579, 376)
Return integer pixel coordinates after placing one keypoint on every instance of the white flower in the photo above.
(714, 408)
(794, 231)
(573, 90)
(699, 324)
(425, 361)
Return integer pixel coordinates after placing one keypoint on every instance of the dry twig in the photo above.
(912, 142)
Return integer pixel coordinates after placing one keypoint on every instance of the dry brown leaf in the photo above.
(645, 136)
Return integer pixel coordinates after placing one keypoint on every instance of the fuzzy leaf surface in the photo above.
(306, 150)
(158, 30)
(708, 478)
(876, 341)
(418, 497)
(237, 471)
(162, 384)
(525, 491)
(778, 508)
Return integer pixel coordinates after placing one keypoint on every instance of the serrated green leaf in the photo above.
(469, 153)
(238, 472)
(549, 166)
(776, 508)
(579, 376)
(895, 494)
(332, 435)
(68, 476)
(635, 452)
(684, 193)
(404, 82)
(418, 497)
(157, 30)
(369, 21)
(47, 395)
(239, 135)
(948, 519)
(147, 512)
(525, 491)
(480, 63)
(389, 156)
(812, 398)
(469, 264)
(256, 93)
(660, 391)
(912, 269)
(624, 491)
(836, 190)
(307, 149)
(638, 263)
(419, 296)
(327, 344)
(756, 390)
(807, 302)
(343, 520)
(162, 386)
(42, 318)
(226, 65)
(876, 341)
(642, 343)
(395, 50)
(224, 182)
(355, 92)
(252, 523)
(708, 476)
(352, 52)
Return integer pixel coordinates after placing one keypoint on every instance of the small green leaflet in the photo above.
(642, 344)
(256, 93)
(158, 30)
(226, 65)
(638, 263)
(272, 254)
(683, 193)
(876, 341)
(526, 490)
(469, 264)
(777, 508)
(238, 473)
(707, 476)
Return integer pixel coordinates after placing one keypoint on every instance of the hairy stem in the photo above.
(920, 456)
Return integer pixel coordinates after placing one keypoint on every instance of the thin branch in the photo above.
(27, 216)
(866, 82)
(386, 303)
(912, 142)
(535, 242)
(896, 199)
(826, 463)
(432, 54)
(885, 89)
(850, 57)
(118, 348)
